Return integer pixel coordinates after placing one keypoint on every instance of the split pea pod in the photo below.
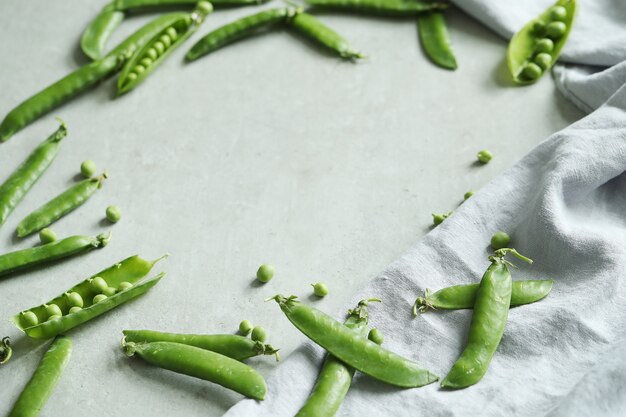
(123, 282)
(381, 7)
(27, 258)
(64, 203)
(13, 190)
(459, 297)
(202, 364)
(44, 380)
(335, 377)
(5, 350)
(239, 29)
(99, 30)
(491, 310)
(231, 345)
(353, 349)
(433, 34)
(313, 28)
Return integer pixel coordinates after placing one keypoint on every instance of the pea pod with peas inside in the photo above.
(64, 203)
(6, 351)
(380, 7)
(535, 48)
(125, 279)
(353, 349)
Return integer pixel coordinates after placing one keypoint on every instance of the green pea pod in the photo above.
(335, 378)
(44, 380)
(380, 7)
(5, 350)
(231, 345)
(37, 322)
(28, 258)
(150, 4)
(353, 349)
(99, 31)
(459, 297)
(157, 49)
(313, 28)
(435, 39)
(200, 363)
(491, 311)
(536, 47)
(239, 29)
(59, 206)
(26, 175)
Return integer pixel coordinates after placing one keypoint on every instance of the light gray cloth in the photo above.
(565, 206)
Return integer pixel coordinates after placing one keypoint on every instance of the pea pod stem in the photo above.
(5, 350)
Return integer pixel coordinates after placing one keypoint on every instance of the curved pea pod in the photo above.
(13, 190)
(352, 348)
(527, 44)
(381, 7)
(239, 29)
(99, 31)
(156, 50)
(202, 364)
(5, 350)
(131, 270)
(28, 258)
(459, 297)
(59, 206)
(231, 345)
(435, 39)
(317, 31)
(152, 4)
(44, 380)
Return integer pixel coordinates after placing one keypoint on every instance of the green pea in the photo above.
(468, 195)
(204, 7)
(29, 319)
(152, 54)
(114, 214)
(88, 168)
(539, 28)
(98, 298)
(439, 218)
(484, 156)
(171, 32)
(245, 327)
(146, 62)
(500, 240)
(543, 60)
(98, 284)
(109, 291)
(139, 69)
(555, 30)
(124, 286)
(376, 336)
(159, 47)
(532, 71)
(54, 317)
(75, 309)
(47, 235)
(74, 299)
(167, 42)
(131, 76)
(544, 45)
(265, 273)
(53, 310)
(320, 289)
(259, 334)
(558, 13)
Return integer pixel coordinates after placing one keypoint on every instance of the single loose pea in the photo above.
(532, 71)
(152, 54)
(54, 317)
(484, 156)
(468, 195)
(265, 273)
(555, 30)
(166, 40)
(558, 13)
(75, 309)
(74, 299)
(47, 235)
(543, 60)
(146, 62)
(53, 310)
(98, 284)
(439, 218)
(88, 168)
(114, 214)
(259, 334)
(139, 69)
(98, 298)
(500, 240)
(109, 291)
(376, 336)
(171, 32)
(29, 319)
(320, 289)
(544, 45)
(245, 327)
(125, 285)
(159, 47)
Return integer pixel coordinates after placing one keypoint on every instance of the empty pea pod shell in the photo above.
(522, 47)
(435, 39)
(380, 7)
(131, 270)
(200, 363)
(94, 38)
(354, 349)
(313, 28)
(27, 258)
(231, 345)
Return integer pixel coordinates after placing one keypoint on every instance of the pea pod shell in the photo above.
(381, 7)
(313, 28)
(435, 39)
(13, 190)
(64, 203)
(144, 4)
(353, 349)
(203, 364)
(26, 258)
(44, 380)
(99, 31)
(522, 45)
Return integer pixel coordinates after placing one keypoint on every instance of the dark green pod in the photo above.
(435, 39)
(381, 7)
(314, 29)
(99, 31)
(5, 350)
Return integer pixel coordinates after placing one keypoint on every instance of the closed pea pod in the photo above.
(94, 38)
(381, 7)
(313, 28)
(433, 34)
(200, 363)
(13, 190)
(353, 349)
(44, 380)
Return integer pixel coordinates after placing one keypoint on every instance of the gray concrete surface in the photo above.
(270, 150)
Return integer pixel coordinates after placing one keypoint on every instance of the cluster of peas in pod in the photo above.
(554, 30)
(157, 49)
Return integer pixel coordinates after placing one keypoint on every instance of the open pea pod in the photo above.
(124, 281)
(536, 47)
